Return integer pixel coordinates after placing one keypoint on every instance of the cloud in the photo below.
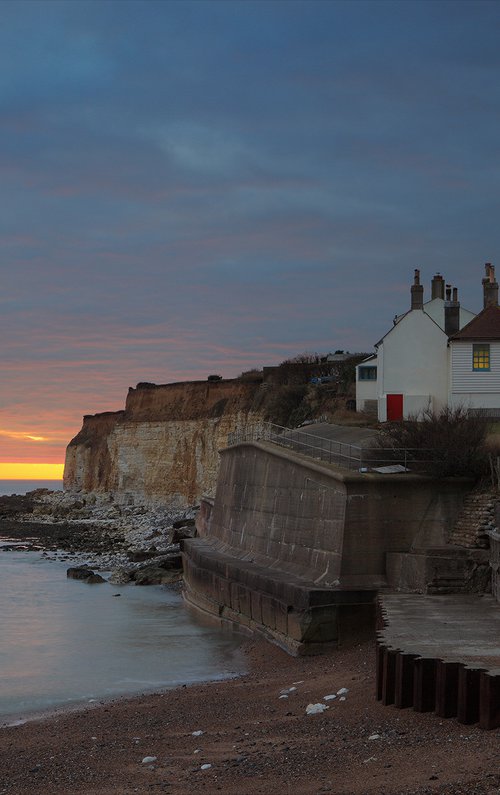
(196, 187)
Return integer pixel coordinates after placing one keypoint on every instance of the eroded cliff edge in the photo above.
(163, 448)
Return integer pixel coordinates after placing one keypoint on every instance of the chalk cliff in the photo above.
(164, 446)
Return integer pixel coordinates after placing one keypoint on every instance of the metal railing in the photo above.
(344, 454)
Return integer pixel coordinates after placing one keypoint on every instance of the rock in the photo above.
(181, 533)
(197, 733)
(84, 574)
(172, 561)
(94, 579)
(79, 573)
(138, 555)
(120, 576)
(315, 709)
(149, 759)
(182, 523)
(154, 575)
(205, 767)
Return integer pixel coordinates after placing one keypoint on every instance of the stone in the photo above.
(154, 575)
(315, 709)
(120, 576)
(179, 534)
(84, 574)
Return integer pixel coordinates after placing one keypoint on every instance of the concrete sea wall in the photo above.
(280, 519)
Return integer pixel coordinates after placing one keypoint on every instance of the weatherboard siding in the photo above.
(473, 388)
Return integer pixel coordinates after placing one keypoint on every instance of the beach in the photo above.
(253, 740)
(244, 736)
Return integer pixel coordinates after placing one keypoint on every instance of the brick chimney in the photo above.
(417, 292)
(451, 312)
(437, 287)
(490, 286)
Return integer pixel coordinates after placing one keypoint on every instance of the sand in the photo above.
(253, 740)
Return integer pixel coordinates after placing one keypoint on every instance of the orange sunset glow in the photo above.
(9, 471)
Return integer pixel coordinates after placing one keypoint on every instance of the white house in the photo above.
(436, 354)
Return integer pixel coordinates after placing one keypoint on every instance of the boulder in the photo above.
(120, 576)
(138, 555)
(84, 574)
(183, 523)
(154, 575)
(186, 531)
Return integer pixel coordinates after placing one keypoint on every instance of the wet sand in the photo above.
(255, 741)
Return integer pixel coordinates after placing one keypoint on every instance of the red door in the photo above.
(394, 407)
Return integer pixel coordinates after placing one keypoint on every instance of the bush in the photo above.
(285, 406)
(447, 443)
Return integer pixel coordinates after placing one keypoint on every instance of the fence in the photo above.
(344, 454)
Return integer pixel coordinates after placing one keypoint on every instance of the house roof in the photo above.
(485, 326)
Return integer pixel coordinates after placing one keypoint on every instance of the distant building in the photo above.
(436, 354)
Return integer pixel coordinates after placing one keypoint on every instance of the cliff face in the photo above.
(164, 446)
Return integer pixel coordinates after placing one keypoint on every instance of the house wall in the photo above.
(413, 362)
(435, 310)
(477, 389)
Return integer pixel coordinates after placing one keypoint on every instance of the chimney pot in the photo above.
(437, 286)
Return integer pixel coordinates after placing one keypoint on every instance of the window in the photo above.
(480, 357)
(367, 374)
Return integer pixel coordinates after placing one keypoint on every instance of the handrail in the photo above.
(345, 454)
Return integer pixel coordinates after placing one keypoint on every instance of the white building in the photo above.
(436, 354)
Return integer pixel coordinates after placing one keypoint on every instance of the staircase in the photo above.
(460, 567)
(476, 519)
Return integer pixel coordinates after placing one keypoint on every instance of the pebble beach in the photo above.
(253, 735)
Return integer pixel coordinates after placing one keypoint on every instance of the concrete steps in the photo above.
(462, 566)
(439, 570)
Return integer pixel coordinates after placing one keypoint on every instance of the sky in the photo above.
(205, 187)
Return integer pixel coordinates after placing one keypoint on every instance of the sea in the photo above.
(23, 486)
(66, 644)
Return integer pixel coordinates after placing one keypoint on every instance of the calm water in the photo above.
(64, 642)
(23, 486)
